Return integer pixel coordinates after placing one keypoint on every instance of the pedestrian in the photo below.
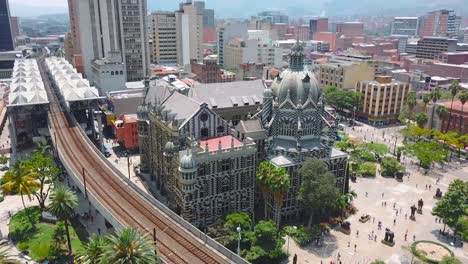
(406, 216)
(382, 195)
(375, 238)
(9, 214)
(436, 219)
(357, 233)
(394, 205)
(416, 185)
(385, 204)
(355, 246)
(396, 212)
(99, 231)
(394, 221)
(426, 186)
(373, 219)
(429, 187)
(366, 194)
(406, 236)
(414, 237)
(349, 243)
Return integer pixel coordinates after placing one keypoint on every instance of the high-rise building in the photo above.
(465, 35)
(350, 29)
(432, 47)
(274, 17)
(75, 34)
(227, 32)
(15, 27)
(6, 37)
(209, 27)
(405, 26)
(165, 48)
(190, 32)
(135, 40)
(101, 26)
(440, 23)
(318, 25)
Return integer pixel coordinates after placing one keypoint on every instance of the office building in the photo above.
(405, 26)
(209, 71)
(274, 17)
(350, 29)
(15, 27)
(6, 36)
(318, 25)
(330, 37)
(465, 35)
(135, 39)
(440, 23)
(227, 32)
(344, 72)
(109, 73)
(165, 45)
(431, 47)
(383, 99)
(190, 33)
(240, 51)
(209, 27)
(260, 35)
(99, 27)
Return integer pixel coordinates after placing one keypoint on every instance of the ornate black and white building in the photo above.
(204, 168)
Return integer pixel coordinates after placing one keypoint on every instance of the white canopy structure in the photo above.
(26, 87)
(72, 85)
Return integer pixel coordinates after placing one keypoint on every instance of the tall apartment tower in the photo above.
(134, 38)
(440, 23)
(209, 27)
(101, 27)
(165, 48)
(318, 25)
(6, 36)
(190, 33)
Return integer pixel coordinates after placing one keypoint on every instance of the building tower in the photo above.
(6, 37)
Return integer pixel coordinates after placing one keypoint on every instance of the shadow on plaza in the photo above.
(444, 239)
(326, 249)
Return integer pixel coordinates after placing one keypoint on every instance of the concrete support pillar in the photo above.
(91, 121)
(101, 137)
(13, 139)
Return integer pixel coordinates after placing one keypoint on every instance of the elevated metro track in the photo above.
(176, 240)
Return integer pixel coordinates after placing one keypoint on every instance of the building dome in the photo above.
(298, 85)
(187, 162)
(169, 147)
(267, 93)
(296, 82)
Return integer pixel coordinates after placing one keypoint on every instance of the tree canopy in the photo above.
(421, 119)
(390, 166)
(274, 178)
(367, 169)
(318, 191)
(342, 99)
(454, 204)
(427, 152)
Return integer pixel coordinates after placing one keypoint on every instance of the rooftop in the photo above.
(26, 87)
(225, 142)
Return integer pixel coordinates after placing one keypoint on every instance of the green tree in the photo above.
(23, 180)
(129, 246)
(46, 171)
(92, 251)
(449, 260)
(266, 244)
(411, 101)
(390, 166)
(367, 169)
(427, 152)
(63, 202)
(435, 96)
(318, 192)
(42, 149)
(442, 111)
(454, 88)
(3, 159)
(272, 179)
(59, 235)
(421, 119)
(377, 261)
(5, 257)
(376, 148)
(461, 227)
(453, 204)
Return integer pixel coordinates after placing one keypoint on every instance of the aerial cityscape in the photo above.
(263, 132)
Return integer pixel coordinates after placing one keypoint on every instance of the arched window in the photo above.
(112, 72)
(204, 132)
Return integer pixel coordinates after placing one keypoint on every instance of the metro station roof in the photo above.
(26, 86)
(72, 85)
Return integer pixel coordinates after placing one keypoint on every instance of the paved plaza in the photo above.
(398, 196)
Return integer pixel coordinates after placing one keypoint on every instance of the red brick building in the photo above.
(459, 120)
(350, 29)
(126, 131)
(209, 71)
(454, 57)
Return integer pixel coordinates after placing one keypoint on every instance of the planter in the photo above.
(364, 218)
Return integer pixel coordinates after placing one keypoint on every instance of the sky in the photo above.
(246, 8)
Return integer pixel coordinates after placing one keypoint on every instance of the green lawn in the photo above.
(38, 242)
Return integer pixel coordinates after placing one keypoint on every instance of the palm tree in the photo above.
(454, 88)
(129, 246)
(42, 148)
(434, 96)
(272, 179)
(442, 112)
(411, 101)
(5, 258)
(426, 100)
(92, 252)
(463, 98)
(23, 180)
(63, 202)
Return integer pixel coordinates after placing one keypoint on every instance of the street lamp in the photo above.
(394, 147)
(289, 234)
(238, 239)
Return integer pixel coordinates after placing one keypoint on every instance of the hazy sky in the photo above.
(245, 8)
